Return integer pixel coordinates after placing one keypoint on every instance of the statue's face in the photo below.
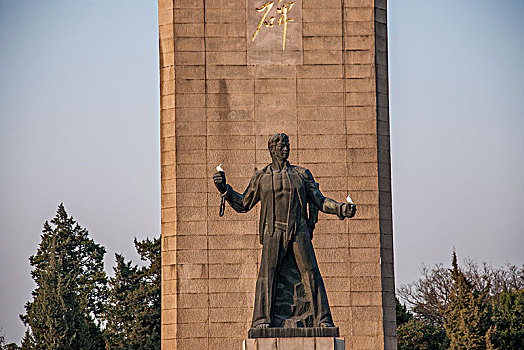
(281, 150)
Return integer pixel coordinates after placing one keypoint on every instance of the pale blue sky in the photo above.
(79, 125)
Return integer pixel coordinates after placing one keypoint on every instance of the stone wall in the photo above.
(217, 109)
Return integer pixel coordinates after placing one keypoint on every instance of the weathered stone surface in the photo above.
(217, 108)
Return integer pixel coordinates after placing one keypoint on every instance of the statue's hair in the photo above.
(273, 140)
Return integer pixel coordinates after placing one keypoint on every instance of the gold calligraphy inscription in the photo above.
(269, 22)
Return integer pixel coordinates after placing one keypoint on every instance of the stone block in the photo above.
(186, 15)
(217, 4)
(227, 329)
(274, 99)
(165, 31)
(322, 43)
(191, 343)
(227, 242)
(337, 284)
(325, 4)
(164, 5)
(367, 342)
(364, 240)
(230, 86)
(328, 127)
(319, 15)
(362, 14)
(266, 128)
(230, 314)
(193, 4)
(166, 59)
(359, 85)
(189, 72)
(233, 256)
(359, 43)
(231, 299)
(184, 31)
(314, 113)
(337, 255)
(366, 298)
(233, 270)
(229, 72)
(360, 99)
(188, 316)
(320, 85)
(196, 256)
(231, 30)
(167, 101)
(188, 300)
(315, 343)
(322, 29)
(319, 71)
(225, 44)
(165, 46)
(191, 114)
(189, 44)
(274, 85)
(359, 3)
(358, 71)
(225, 16)
(191, 270)
(359, 57)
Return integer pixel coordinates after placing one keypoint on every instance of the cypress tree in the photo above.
(68, 270)
(507, 330)
(467, 315)
(133, 305)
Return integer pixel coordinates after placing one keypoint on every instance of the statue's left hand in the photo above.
(349, 210)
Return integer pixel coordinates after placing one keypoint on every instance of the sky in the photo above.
(79, 113)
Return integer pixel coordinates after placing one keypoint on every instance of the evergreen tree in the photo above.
(428, 296)
(507, 330)
(467, 315)
(68, 270)
(403, 314)
(420, 334)
(416, 333)
(133, 306)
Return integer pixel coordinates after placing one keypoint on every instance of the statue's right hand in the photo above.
(219, 178)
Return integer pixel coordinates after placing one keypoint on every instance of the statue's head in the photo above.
(278, 145)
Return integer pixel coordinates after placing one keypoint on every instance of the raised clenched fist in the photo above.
(219, 178)
(350, 210)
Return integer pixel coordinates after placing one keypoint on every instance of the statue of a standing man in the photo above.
(284, 192)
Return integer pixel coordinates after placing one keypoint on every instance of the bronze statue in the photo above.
(286, 228)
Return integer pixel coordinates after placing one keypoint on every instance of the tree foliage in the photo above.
(429, 294)
(133, 305)
(403, 314)
(68, 270)
(75, 306)
(507, 330)
(467, 316)
(473, 306)
(418, 334)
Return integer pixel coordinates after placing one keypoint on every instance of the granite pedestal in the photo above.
(299, 343)
(314, 332)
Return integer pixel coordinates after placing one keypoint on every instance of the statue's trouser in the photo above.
(273, 253)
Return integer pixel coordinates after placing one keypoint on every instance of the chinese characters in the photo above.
(268, 22)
